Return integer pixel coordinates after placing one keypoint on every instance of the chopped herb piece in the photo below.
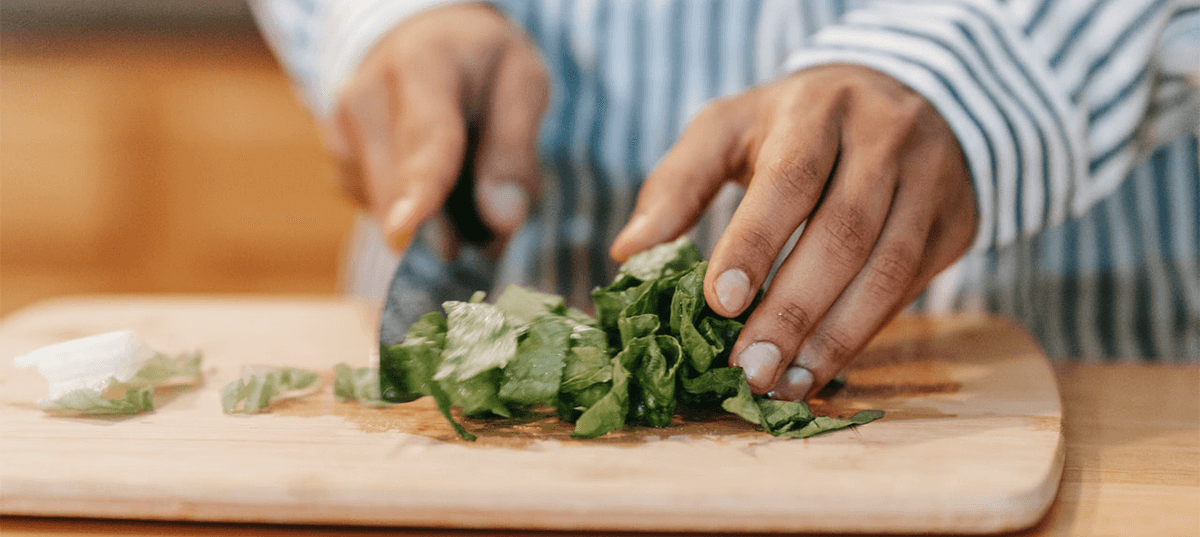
(262, 385)
(521, 306)
(478, 338)
(535, 374)
(824, 424)
(111, 373)
(358, 384)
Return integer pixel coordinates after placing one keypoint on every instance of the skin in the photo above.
(399, 132)
(870, 167)
(866, 166)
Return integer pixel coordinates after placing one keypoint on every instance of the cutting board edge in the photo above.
(978, 518)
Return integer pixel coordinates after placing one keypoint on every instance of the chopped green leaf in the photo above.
(662, 260)
(478, 395)
(80, 402)
(743, 403)
(259, 386)
(608, 413)
(111, 373)
(478, 338)
(637, 326)
(824, 424)
(358, 384)
(781, 416)
(712, 386)
(521, 306)
(652, 394)
(688, 299)
(535, 374)
(406, 370)
(611, 301)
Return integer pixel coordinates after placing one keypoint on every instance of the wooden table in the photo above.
(1132, 465)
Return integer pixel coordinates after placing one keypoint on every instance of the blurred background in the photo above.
(155, 146)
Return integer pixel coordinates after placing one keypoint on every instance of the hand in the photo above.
(399, 132)
(869, 165)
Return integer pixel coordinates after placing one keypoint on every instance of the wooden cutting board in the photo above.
(971, 443)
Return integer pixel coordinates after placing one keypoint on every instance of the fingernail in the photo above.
(794, 384)
(506, 202)
(733, 286)
(399, 215)
(759, 360)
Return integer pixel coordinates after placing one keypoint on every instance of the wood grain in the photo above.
(971, 443)
(1116, 483)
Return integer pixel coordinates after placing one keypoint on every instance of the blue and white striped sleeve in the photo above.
(1048, 98)
(322, 42)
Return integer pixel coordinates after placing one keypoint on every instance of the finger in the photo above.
(906, 258)
(338, 134)
(790, 173)
(506, 165)
(930, 225)
(833, 248)
(411, 150)
(682, 185)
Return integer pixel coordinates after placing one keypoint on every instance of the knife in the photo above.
(424, 279)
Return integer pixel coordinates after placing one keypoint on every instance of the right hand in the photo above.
(399, 130)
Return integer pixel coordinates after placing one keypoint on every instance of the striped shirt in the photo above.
(1079, 121)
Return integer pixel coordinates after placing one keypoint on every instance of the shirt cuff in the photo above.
(353, 28)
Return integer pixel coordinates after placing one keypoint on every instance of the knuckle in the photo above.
(358, 90)
(795, 177)
(893, 270)
(793, 318)
(757, 243)
(908, 112)
(713, 112)
(849, 234)
(835, 344)
(533, 73)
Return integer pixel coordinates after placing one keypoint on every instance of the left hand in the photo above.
(871, 167)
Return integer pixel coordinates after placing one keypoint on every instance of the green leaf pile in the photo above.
(653, 348)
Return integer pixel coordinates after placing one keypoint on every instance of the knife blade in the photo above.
(424, 279)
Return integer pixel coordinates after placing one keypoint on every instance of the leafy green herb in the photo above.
(535, 374)
(478, 338)
(111, 373)
(654, 346)
(521, 306)
(662, 260)
(80, 402)
(608, 413)
(358, 384)
(823, 424)
(260, 386)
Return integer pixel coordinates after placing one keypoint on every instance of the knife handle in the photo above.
(460, 208)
